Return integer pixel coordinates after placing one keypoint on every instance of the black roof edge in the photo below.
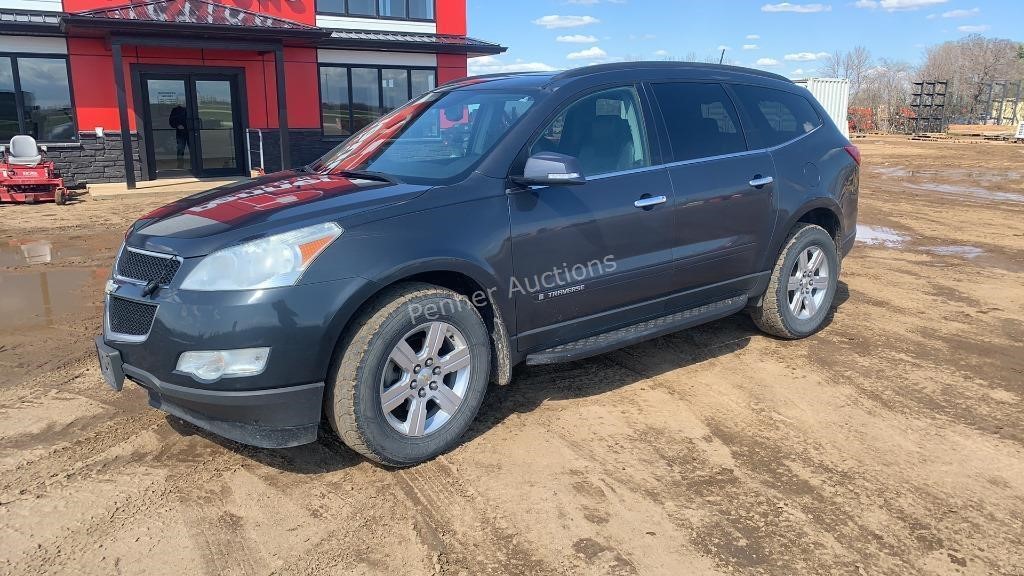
(473, 48)
(656, 65)
(11, 27)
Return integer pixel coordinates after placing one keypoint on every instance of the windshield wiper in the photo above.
(365, 175)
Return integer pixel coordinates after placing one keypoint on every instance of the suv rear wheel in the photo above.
(412, 375)
(803, 285)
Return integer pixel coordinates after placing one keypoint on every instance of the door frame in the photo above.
(236, 75)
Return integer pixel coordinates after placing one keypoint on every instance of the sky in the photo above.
(788, 38)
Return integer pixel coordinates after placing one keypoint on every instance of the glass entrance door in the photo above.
(167, 131)
(217, 126)
(192, 125)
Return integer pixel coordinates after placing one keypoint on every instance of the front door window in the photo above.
(604, 131)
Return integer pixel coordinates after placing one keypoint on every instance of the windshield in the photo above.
(432, 139)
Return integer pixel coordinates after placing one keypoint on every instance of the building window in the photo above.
(352, 97)
(35, 98)
(388, 9)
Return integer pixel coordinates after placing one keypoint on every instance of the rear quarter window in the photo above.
(777, 116)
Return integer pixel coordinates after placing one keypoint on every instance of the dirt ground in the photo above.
(890, 443)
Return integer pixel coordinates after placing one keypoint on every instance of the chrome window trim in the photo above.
(112, 336)
(136, 281)
(703, 159)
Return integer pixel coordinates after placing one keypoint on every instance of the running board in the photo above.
(636, 333)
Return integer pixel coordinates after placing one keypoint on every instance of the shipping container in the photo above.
(834, 96)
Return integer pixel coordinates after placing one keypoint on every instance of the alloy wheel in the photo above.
(808, 283)
(425, 379)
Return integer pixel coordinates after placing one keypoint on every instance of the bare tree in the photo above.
(972, 64)
(886, 90)
(852, 65)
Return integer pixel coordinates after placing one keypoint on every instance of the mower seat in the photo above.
(23, 151)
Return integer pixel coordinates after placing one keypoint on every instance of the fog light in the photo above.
(217, 364)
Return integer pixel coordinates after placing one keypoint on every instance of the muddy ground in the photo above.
(890, 443)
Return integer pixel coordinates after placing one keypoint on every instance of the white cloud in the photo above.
(642, 36)
(798, 72)
(805, 56)
(751, 47)
(585, 2)
(961, 13)
(555, 21)
(662, 53)
(577, 39)
(767, 62)
(897, 5)
(799, 8)
(975, 29)
(723, 47)
(492, 65)
(753, 36)
(589, 53)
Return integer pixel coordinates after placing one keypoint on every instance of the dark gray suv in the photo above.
(496, 221)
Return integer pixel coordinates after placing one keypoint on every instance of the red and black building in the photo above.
(210, 88)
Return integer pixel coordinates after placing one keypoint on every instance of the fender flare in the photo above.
(483, 277)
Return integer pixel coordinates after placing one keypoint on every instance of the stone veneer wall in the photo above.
(93, 160)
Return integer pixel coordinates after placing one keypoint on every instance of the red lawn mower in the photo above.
(27, 177)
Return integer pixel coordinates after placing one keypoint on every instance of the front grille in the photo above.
(147, 267)
(128, 317)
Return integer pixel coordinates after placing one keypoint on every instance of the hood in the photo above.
(205, 222)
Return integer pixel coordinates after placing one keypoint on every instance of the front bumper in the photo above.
(275, 418)
(280, 407)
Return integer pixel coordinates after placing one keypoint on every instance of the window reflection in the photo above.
(352, 98)
(45, 93)
(47, 98)
(365, 97)
(8, 104)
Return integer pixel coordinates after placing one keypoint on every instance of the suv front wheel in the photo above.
(803, 285)
(411, 376)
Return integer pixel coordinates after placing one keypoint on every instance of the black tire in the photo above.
(774, 315)
(353, 405)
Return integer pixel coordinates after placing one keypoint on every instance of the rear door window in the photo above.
(777, 116)
(701, 120)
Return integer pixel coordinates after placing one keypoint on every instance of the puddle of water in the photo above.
(41, 298)
(968, 252)
(20, 253)
(892, 171)
(879, 236)
(956, 190)
(952, 173)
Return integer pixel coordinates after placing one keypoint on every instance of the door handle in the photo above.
(758, 181)
(650, 202)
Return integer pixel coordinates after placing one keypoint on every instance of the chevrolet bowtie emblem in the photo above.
(111, 287)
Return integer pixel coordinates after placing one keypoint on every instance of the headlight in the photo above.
(269, 262)
(213, 365)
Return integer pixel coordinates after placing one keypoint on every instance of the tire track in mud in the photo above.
(752, 502)
(191, 473)
(485, 545)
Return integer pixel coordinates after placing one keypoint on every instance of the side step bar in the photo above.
(630, 335)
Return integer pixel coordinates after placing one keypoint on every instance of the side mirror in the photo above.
(552, 169)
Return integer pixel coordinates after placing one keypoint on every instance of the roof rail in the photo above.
(617, 66)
